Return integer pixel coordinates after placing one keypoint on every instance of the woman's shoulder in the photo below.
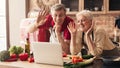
(100, 30)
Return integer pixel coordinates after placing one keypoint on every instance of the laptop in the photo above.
(47, 53)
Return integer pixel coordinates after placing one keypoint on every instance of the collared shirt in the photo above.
(50, 23)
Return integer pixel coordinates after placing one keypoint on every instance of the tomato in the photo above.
(13, 56)
(31, 59)
(80, 59)
(64, 54)
(23, 56)
(76, 59)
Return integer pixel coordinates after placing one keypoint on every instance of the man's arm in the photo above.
(64, 43)
(32, 27)
(41, 19)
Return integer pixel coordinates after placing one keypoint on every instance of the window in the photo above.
(3, 31)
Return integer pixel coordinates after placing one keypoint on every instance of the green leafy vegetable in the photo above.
(16, 50)
(4, 55)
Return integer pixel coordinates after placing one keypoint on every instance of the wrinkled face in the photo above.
(58, 17)
(83, 23)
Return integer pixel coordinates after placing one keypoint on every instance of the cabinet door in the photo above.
(113, 6)
(96, 6)
(72, 6)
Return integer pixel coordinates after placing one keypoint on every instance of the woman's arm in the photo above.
(74, 47)
(96, 47)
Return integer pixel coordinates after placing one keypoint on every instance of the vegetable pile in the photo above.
(14, 53)
(78, 62)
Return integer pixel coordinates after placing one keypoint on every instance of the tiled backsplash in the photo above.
(105, 21)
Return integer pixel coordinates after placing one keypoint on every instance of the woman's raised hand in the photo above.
(72, 28)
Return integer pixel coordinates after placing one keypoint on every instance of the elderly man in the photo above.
(57, 23)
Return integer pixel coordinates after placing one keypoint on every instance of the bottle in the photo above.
(116, 36)
(27, 46)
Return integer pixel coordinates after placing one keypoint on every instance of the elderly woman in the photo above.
(95, 40)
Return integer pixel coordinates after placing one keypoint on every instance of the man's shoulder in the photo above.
(69, 18)
(49, 16)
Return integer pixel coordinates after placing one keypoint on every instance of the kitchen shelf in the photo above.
(96, 6)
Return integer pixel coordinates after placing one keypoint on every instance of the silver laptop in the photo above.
(47, 53)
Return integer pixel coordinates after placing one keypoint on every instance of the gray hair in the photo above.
(58, 7)
(85, 13)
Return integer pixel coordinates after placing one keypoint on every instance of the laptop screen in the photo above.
(47, 53)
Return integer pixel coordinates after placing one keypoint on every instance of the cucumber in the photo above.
(70, 65)
(86, 62)
(87, 56)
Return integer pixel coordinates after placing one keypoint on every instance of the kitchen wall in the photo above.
(16, 14)
(105, 21)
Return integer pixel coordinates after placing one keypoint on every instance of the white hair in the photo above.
(85, 13)
(57, 7)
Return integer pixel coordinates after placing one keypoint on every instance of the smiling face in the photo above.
(58, 13)
(84, 20)
(84, 23)
(58, 16)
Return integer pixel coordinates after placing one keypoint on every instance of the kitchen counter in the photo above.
(25, 64)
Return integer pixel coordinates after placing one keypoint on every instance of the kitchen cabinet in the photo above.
(72, 6)
(113, 6)
(96, 6)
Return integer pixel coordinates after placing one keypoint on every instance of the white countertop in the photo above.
(26, 64)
